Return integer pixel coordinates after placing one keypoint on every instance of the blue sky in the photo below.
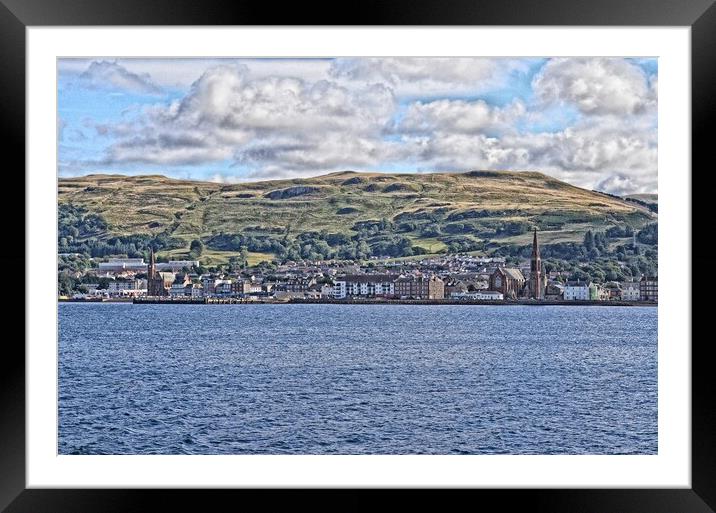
(588, 121)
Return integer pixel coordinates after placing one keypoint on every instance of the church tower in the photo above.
(536, 278)
(155, 283)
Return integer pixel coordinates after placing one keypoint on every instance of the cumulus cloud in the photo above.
(459, 116)
(596, 85)
(415, 76)
(274, 122)
(110, 75)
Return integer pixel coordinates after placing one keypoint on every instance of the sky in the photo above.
(591, 121)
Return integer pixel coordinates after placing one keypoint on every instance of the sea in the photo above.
(356, 379)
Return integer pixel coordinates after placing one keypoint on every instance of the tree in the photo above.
(589, 240)
(196, 247)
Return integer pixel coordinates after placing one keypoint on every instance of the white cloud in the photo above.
(459, 116)
(110, 75)
(303, 125)
(596, 85)
(427, 76)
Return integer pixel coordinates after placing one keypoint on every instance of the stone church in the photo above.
(158, 283)
(512, 283)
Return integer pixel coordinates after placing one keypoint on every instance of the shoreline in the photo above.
(432, 302)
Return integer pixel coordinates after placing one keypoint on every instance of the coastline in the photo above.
(433, 302)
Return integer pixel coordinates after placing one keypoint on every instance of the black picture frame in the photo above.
(17, 15)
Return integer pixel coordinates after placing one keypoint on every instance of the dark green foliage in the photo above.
(195, 249)
(651, 206)
(77, 223)
(649, 234)
(133, 246)
(375, 238)
(616, 232)
(83, 233)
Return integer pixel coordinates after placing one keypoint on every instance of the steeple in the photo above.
(536, 278)
(155, 284)
(152, 264)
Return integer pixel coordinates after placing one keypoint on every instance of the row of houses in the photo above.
(503, 283)
(389, 286)
(646, 289)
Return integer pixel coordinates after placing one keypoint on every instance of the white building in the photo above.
(117, 286)
(576, 291)
(364, 285)
(118, 265)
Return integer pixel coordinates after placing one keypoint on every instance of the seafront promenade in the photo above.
(237, 301)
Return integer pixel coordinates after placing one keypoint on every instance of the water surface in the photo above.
(357, 379)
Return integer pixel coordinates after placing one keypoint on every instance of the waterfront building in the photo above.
(630, 291)
(125, 287)
(554, 291)
(419, 287)
(158, 283)
(195, 290)
(508, 281)
(245, 287)
(222, 288)
(649, 288)
(296, 285)
(577, 291)
(180, 285)
(364, 285)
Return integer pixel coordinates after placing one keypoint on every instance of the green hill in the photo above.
(377, 214)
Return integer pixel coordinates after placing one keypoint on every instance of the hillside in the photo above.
(432, 211)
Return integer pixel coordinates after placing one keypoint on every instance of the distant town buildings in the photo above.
(122, 264)
(649, 288)
(364, 285)
(630, 291)
(419, 287)
(158, 283)
(460, 277)
(508, 281)
(577, 291)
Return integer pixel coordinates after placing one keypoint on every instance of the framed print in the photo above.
(416, 251)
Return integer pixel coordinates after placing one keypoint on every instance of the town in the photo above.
(445, 278)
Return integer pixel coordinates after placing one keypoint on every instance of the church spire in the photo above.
(535, 245)
(152, 263)
(536, 279)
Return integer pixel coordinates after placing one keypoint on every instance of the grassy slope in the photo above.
(190, 209)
